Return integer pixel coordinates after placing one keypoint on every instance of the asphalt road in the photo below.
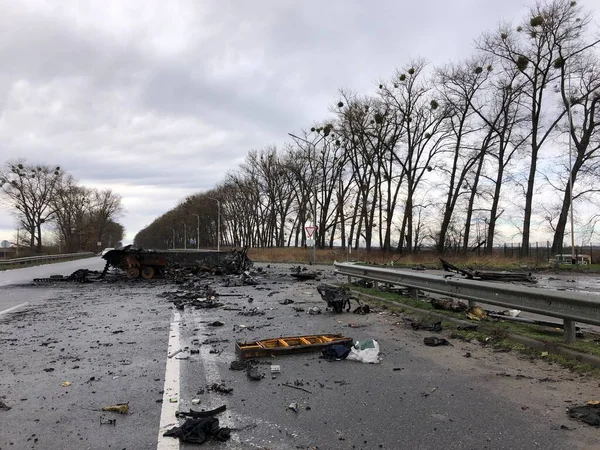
(111, 341)
(11, 300)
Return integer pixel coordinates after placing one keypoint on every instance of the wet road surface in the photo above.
(111, 342)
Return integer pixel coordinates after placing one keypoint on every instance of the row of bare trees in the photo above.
(446, 155)
(42, 196)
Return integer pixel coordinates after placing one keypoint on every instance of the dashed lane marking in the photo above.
(212, 375)
(171, 390)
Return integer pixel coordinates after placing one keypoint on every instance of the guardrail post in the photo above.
(414, 293)
(376, 284)
(349, 279)
(569, 326)
(472, 304)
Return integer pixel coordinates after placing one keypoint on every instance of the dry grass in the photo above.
(427, 259)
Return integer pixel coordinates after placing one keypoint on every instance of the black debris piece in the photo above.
(447, 304)
(237, 365)
(337, 298)
(216, 323)
(286, 301)
(252, 312)
(220, 388)
(433, 341)
(364, 309)
(589, 414)
(335, 352)
(197, 431)
(467, 327)
(4, 406)
(253, 373)
(435, 327)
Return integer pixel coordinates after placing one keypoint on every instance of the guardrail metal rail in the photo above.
(30, 259)
(571, 307)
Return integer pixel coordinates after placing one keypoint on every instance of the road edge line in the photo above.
(12, 308)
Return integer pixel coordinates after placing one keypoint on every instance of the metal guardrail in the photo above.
(33, 259)
(571, 307)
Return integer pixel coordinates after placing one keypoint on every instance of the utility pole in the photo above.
(218, 222)
(173, 237)
(184, 236)
(197, 232)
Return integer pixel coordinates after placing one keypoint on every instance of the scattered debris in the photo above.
(467, 327)
(66, 384)
(197, 431)
(252, 312)
(488, 275)
(220, 388)
(121, 408)
(362, 309)
(287, 345)
(238, 365)
(448, 304)
(104, 421)
(589, 413)
(253, 373)
(4, 406)
(176, 352)
(195, 401)
(476, 313)
(302, 273)
(275, 368)
(286, 301)
(201, 414)
(216, 323)
(336, 297)
(314, 311)
(433, 341)
(293, 406)
(365, 351)
(467, 355)
(335, 352)
(427, 326)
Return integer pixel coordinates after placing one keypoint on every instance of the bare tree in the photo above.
(533, 49)
(29, 189)
(582, 95)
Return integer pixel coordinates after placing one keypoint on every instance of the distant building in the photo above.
(583, 260)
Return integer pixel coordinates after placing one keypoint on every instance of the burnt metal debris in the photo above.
(177, 266)
(488, 275)
(149, 263)
(336, 297)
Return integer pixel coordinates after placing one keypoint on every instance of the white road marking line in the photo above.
(212, 375)
(6, 311)
(171, 390)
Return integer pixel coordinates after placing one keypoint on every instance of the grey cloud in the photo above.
(151, 96)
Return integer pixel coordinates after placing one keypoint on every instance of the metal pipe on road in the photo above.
(572, 307)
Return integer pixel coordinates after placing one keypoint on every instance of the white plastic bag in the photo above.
(365, 351)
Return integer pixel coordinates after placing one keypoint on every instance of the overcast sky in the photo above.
(159, 99)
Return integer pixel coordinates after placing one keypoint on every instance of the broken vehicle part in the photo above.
(197, 431)
(150, 263)
(336, 297)
(488, 275)
(433, 341)
(288, 345)
(589, 414)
